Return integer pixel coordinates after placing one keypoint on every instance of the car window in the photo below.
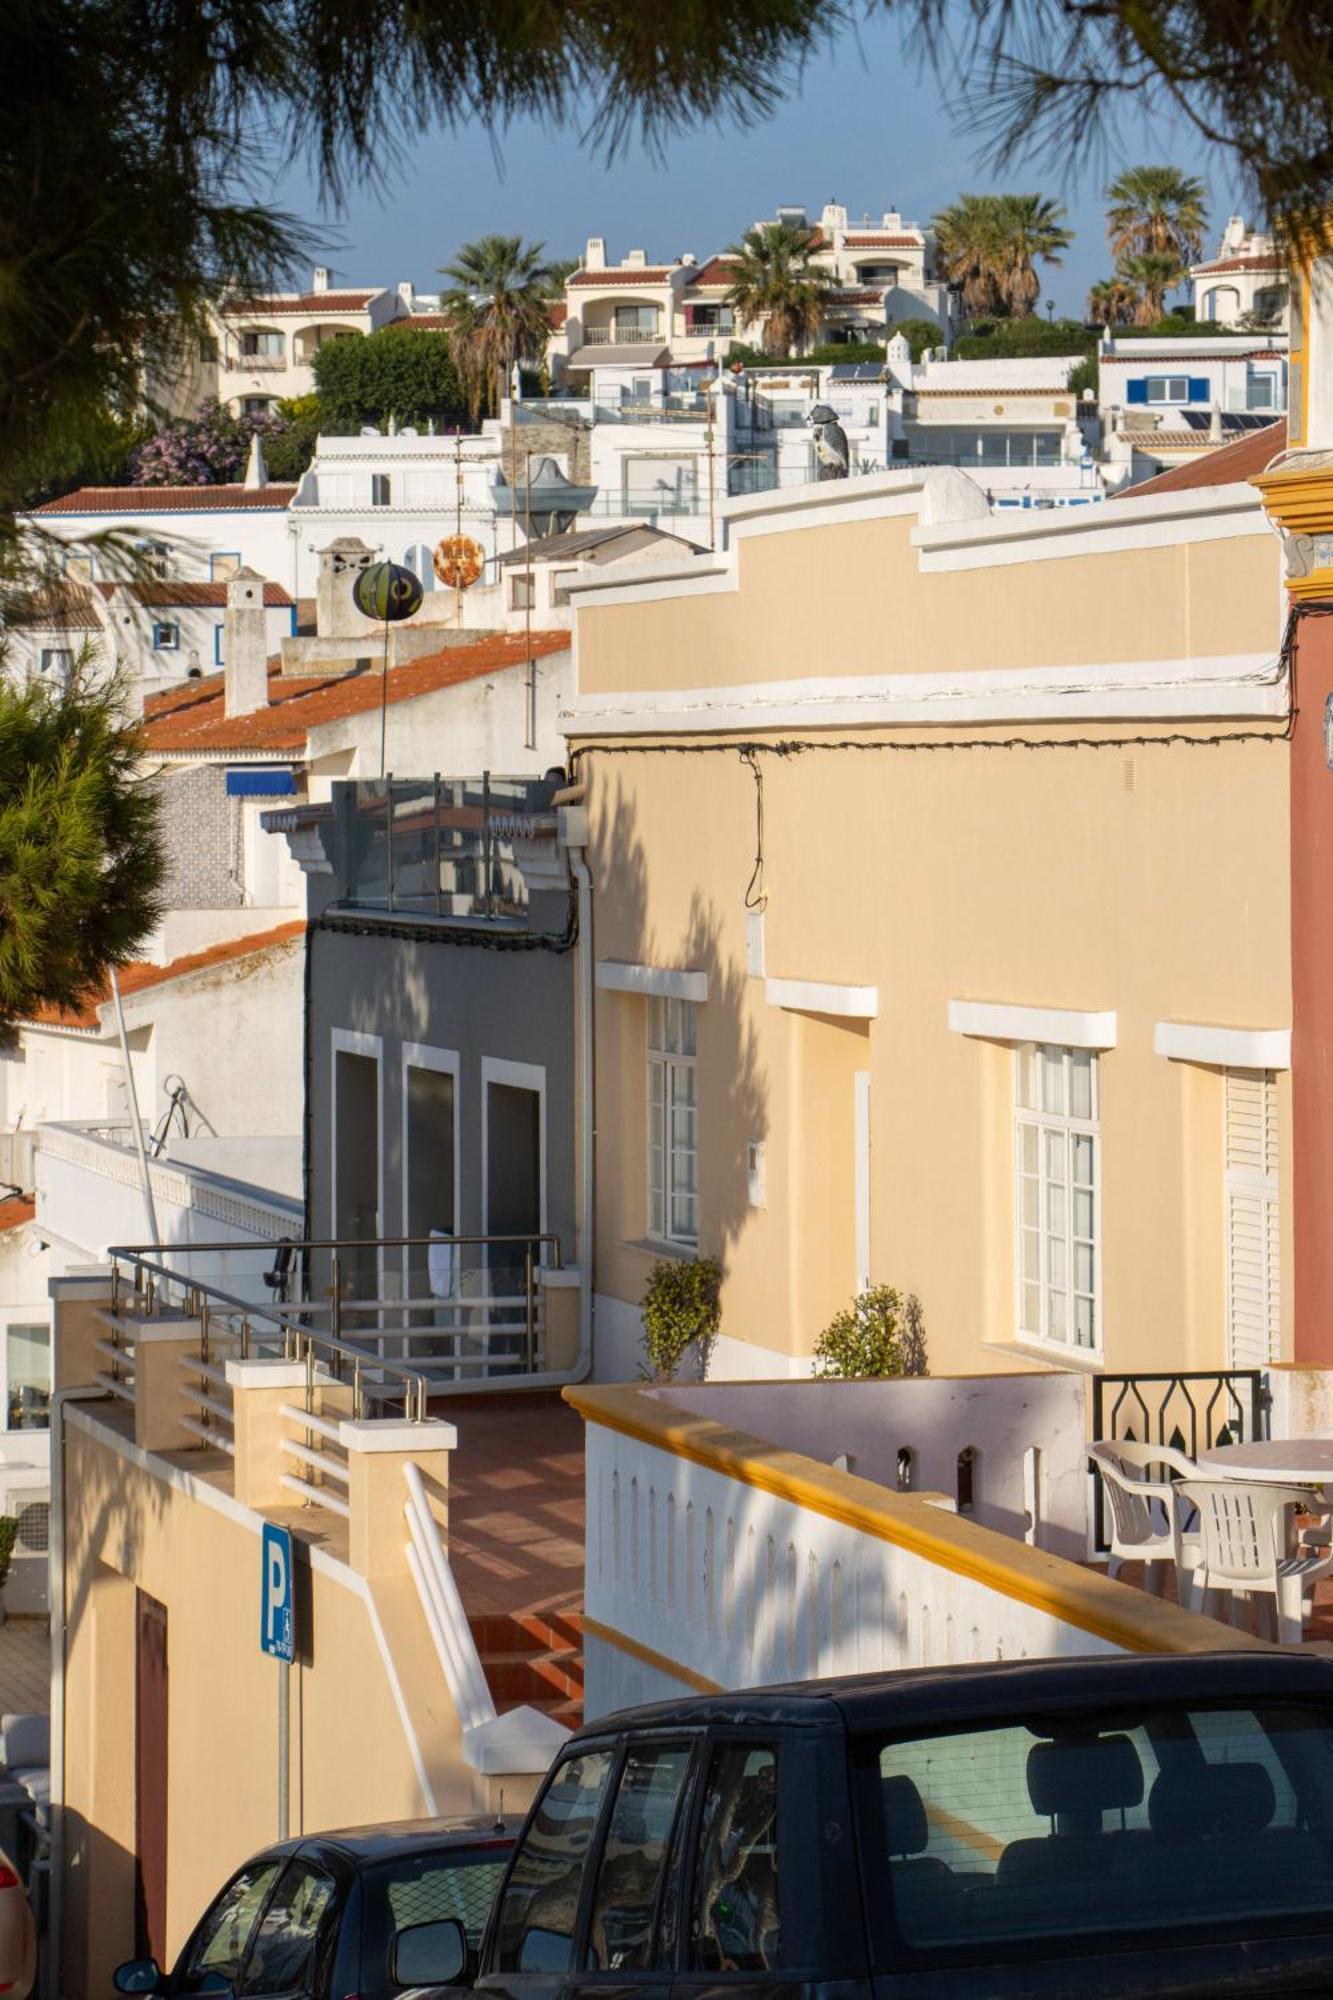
(734, 1921)
(629, 1876)
(292, 1931)
(1029, 1833)
(423, 1889)
(535, 1931)
(218, 1946)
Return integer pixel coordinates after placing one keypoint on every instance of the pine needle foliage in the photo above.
(81, 860)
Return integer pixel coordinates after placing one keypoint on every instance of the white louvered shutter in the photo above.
(1253, 1248)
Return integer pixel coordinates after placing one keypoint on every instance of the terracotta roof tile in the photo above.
(634, 274)
(139, 976)
(1224, 465)
(879, 239)
(165, 499)
(1268, 260)
(65, 608)
(16, 1210)
(717, 271)
(190, 718)
(301, 302)
(176, 595)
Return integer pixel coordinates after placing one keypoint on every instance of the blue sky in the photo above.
(866, 129)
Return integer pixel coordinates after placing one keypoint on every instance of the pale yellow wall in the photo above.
(851, 599)
(1147, 878)
(351, 1760)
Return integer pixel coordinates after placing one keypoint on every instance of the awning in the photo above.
(631, 355)
(261, 781)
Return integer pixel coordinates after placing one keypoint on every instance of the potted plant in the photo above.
(681, 1309)
(879, 1335)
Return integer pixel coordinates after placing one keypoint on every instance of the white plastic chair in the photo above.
(1249, 1546)
(1146, 1512)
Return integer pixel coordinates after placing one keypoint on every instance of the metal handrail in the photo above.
(301, 1341)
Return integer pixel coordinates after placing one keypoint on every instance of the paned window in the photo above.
(1058, 1167)
(166, 637)
(28, 1376)
(673, 1122)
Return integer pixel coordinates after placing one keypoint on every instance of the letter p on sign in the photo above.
(276, 1624)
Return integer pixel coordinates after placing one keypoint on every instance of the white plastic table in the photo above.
(1277, 1461)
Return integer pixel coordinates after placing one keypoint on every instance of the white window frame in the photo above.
(666, 1062)
(1067, 1126)
(1164, 384)
(522, 1076)
(166, 636)
(444, 1062)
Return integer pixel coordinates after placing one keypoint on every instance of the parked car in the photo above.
(357, 1912)
(18, 1934)
(1125, 1826)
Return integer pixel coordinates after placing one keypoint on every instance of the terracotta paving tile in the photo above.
(516, 1506)
(25, 1667)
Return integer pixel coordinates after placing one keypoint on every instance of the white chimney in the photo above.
(407, 293)
(1215, 424)
(594, 255)
(322, 275)
(635, 260)
(245, 639)
(256, 472)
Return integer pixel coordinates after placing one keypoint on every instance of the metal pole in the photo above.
(284, 1748)
(133, 1094)
(486, 837)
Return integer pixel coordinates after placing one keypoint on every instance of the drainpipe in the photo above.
(52, 1984)
(144, 1178)
(586, 1110)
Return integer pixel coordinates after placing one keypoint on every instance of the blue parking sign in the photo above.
(276, 1624)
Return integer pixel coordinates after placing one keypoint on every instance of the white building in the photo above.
(1246, 283)
(1168, 402)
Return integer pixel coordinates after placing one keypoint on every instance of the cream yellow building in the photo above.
(941, 923)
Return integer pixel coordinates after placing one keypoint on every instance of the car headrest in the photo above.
(905, 1825)
(1100, 1775)
(1217, 1802)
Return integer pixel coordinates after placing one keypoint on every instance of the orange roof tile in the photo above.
(138, 976)
(633, 274)
(300, 302)
(879, 239)
(16, 1210)
(191, 718)
(1224, 465)
(1265, 260)
(165, 499)
(717, 271)
(184, 596)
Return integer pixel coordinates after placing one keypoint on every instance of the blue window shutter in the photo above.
(1200, 389)
(1137, 392)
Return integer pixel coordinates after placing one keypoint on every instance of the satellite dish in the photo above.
(458, 561)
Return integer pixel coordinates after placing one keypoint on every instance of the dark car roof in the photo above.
(922, 1696)
(396, 1837)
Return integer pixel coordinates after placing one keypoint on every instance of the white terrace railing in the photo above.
(719, 1558)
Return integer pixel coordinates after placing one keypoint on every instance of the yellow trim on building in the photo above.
(609, 1636)
(1130, 1619)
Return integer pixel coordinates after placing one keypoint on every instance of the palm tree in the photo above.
(775, 283)
(1031, 227)
(970, 252)
(1156, 211)
(497, 313)
(1112, 302)
(1152, 273)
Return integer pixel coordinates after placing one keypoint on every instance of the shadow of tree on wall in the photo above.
(733, 1093)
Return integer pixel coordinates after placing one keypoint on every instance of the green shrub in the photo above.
(9, 1528)
(879, 1335)
(681, 1306)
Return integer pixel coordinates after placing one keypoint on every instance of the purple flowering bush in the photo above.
(208, 449)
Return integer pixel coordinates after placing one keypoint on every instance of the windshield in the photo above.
(1167, 1819)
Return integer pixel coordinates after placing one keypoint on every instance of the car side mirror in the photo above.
(431, 1954)
(137, 1975)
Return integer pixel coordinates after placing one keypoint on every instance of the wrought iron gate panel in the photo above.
(1192, 1411)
